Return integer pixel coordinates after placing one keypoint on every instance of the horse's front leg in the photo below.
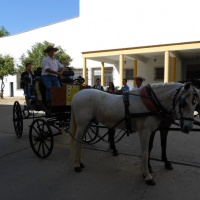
(150, 148)
(111, 136)
(163, 138)
(144, 140)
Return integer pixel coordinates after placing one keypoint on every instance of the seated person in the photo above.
(138, 80)
(125, 87)
(27, 80)
(98, 85)
(51, 70)
(67, 75)
(38, 72)
(111, 88)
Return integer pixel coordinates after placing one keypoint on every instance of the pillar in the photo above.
(102, 74)
(121, 69)
(174, 69)
(84, 69)
(134, 71)
(166, 67)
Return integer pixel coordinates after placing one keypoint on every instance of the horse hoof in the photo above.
(82, 165)
(77, 169)
(150, 170)
(115, 153)
(150, 182)
(169, 166)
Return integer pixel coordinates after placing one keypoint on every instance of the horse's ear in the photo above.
(187, 86)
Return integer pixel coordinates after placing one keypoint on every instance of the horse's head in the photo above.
(197, 109)
(185, 103)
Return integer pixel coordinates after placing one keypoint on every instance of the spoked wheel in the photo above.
(119, 134)
(92, 133)
(41, 138)
(17, 119)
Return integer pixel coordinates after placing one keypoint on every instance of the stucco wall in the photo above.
(66, 34)
(107, 24)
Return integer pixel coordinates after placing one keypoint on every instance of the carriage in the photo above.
(48, 122)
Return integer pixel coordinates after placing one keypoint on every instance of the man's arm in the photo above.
(60, 66)
(53, 72)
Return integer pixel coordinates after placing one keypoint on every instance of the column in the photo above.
(121, 70)
(134, 71)
(174, 69)
(84, 69)
(166, 67)
(102, 74)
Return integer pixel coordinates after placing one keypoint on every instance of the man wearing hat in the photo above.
(138, 80)
(51, 70)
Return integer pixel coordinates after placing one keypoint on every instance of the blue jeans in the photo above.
(49, 81)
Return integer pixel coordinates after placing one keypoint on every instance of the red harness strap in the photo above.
(146, 100)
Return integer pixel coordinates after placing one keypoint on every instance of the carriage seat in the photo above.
(67, 77)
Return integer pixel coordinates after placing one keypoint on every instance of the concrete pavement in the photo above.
(24, 176)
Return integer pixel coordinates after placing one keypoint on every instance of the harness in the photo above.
(153, 104)
(129, 115)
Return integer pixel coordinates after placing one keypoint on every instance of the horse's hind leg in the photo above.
(163, 138)
(78, 164)
(111, 136)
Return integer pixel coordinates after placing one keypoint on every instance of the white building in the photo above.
(116, 39)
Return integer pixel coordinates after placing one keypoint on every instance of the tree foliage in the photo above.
(7, 67)
(36, 54)
(3, 32)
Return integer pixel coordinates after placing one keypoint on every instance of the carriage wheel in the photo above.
(119, 134)
(17, 119)
(41, 138)
(92, 133)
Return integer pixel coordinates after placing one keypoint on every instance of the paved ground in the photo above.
(24, 176)
(11, 100)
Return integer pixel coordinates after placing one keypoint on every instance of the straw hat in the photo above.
(50, 48)
(139, 77)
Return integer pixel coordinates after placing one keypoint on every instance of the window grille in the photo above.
(159, 73)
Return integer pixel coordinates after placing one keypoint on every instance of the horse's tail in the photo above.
(73, 127)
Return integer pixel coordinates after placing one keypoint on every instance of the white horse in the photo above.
(90, 104)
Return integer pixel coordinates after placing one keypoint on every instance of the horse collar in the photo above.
(147, 100)
(152, 103)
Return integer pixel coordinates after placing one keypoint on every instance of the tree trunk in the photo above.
(2, 86)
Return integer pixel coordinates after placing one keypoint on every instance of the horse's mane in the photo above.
(171, 84)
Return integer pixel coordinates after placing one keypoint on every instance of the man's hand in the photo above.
(59, 73)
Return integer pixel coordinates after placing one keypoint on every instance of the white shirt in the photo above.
(50, 63)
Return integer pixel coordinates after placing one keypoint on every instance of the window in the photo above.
(193, 72)
(108, 75)
(159, 73)
(128, 74)
(79, 72)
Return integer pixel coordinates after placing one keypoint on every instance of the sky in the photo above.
(22, 15)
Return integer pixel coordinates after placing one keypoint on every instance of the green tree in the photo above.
(3, 32)
(6, 68)
(36, 54)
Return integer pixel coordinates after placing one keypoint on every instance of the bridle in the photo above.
(180, 101)
(181, 104)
